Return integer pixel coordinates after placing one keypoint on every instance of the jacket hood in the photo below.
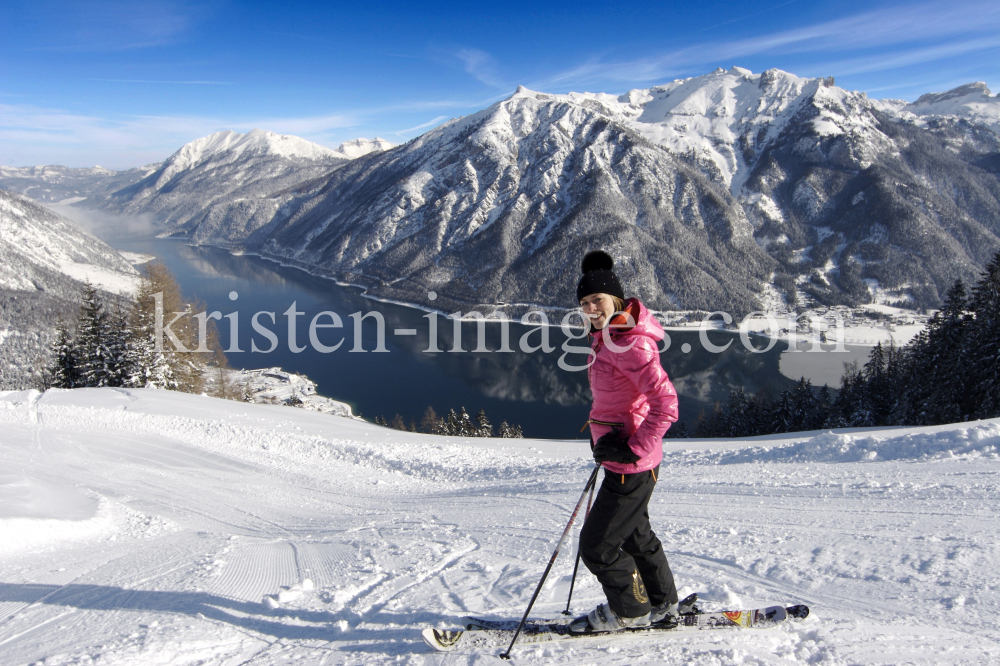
(644, 322)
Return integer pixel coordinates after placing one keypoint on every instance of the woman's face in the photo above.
(598, 308)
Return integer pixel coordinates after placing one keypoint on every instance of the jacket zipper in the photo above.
(604, 423)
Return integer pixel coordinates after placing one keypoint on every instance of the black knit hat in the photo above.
(598, 276)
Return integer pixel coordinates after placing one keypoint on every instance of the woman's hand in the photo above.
(613, 447)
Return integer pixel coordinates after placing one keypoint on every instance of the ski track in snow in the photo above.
(213, 532)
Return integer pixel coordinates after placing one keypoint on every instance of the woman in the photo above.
(634, 405)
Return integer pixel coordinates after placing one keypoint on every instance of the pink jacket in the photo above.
(631, 388)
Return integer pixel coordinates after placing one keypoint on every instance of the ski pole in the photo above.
(590, 483)
(576, 564)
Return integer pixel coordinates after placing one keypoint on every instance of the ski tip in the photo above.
(441, 640)
(798, 612)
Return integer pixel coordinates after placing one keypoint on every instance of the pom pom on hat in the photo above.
(598, 276)
(598, 260)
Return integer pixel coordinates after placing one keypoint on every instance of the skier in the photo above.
(634, 405)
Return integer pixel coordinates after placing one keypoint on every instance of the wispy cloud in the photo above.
(186, 83)
(120, 25)
(482, 66)
(429, 123)
(927, 27)
(58, 136)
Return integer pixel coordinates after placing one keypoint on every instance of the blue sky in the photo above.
(126, 83)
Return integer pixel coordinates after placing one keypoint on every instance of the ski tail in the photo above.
(799, 611)
(442, 640)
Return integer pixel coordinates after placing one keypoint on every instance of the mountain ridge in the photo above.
(726, 190)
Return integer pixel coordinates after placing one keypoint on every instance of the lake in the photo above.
(529, 389)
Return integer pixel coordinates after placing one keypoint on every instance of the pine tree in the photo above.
(678, 431)
(451, 424)
(398, 423)
(483, 427)
(465, 426)
(938, 391)
(783, 414)
(736, 423)
(65, 364)
(120, 358)
(805, 407)
(984, 344)
(824, 409)
(92, 340)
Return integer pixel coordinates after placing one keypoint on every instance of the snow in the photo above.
(359, 147)
(972, 101)
(100, 277)
(196, 530)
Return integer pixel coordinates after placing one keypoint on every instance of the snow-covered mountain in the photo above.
(973, 102)
(52, 184)
(730, 190)
(500, 205)
(43, 260)
(847, 200)
(360, 147)
(225, 183)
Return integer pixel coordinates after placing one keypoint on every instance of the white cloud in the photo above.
(34, 135)
(428, 124)
(482, 66)
(924, 26)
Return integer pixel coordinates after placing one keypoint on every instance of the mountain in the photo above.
(501, 205)
(731, 190)
(361, 147)
(43, 260)
(224, 183)
(856, 200)
(52, 184)
(847, 200)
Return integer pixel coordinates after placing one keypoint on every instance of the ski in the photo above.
(480, 633)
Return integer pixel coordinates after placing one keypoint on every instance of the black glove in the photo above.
(613, 447)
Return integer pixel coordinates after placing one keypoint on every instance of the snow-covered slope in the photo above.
(43, 260)
(147, 526)
(38, 249)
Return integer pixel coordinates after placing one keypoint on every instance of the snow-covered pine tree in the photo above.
(483, 426)
(64, 370)
(451, 425)
(92, 340)
(147, 368)
(119, 336)
(466, 428)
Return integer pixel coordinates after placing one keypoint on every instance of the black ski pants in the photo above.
(618, 545)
